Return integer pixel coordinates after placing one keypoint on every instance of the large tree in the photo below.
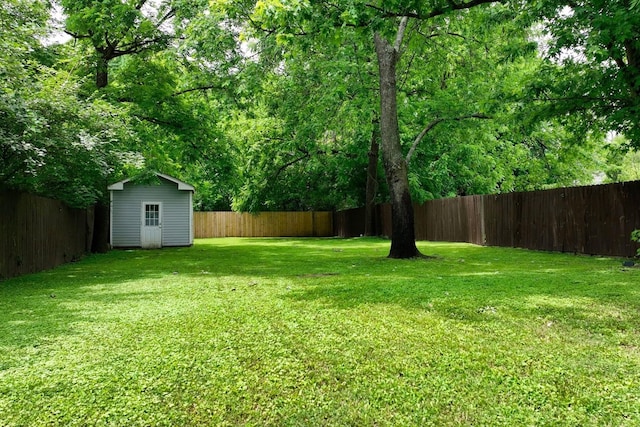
(384, 25)
(395, 166)
(116, 28)
(150, 60)
(462, 120)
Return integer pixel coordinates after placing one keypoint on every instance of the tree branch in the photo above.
(140, 4)
(434, 123)
(170, 14)
(77, 36)
(306, 154)
(138, 45)
(435, 12)
(193, 89)
(281, 169)
(400, 34)
(160, 122)
(604, 100)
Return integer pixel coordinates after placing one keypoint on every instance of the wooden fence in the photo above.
(595, 220)
(37, 233)
(265, 224)
(589, 220)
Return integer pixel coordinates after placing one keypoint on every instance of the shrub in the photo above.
(635, 236)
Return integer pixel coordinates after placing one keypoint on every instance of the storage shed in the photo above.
(151, 216)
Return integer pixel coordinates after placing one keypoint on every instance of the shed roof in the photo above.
(181, 185)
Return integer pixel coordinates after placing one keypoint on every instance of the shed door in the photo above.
(151, 230)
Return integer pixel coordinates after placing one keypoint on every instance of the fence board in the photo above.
(265, 224)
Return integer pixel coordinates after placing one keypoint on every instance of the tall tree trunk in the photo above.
(403, 243)
(372, 180)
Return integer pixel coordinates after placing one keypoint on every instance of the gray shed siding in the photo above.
(126, 213)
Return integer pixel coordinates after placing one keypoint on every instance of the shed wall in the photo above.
(126, 206)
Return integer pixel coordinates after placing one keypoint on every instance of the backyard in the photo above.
(322, 332)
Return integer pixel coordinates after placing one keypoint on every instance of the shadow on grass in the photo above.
(464, 282)
(38, 307)
(482, 284)
(612, 308)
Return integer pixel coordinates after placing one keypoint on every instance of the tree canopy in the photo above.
(592, 77)
(53, 140)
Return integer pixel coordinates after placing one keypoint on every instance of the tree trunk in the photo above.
(372, 181)
(100, 242)
(403, 243)
(102, 72)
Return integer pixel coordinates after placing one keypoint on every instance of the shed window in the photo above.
(151, 215)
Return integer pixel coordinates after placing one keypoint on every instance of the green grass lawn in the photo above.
(322, 332)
